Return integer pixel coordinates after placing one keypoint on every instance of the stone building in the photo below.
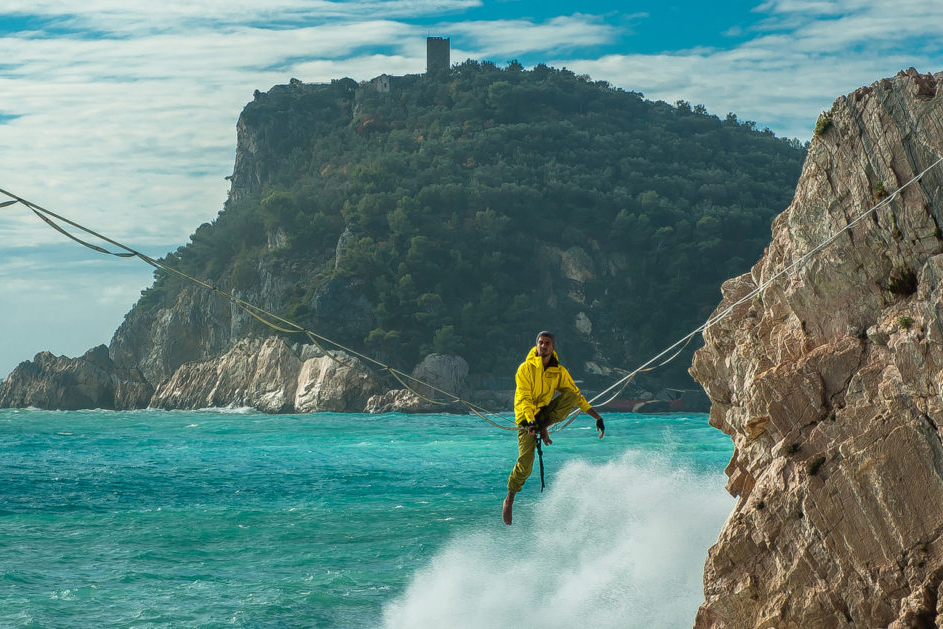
(437, 54)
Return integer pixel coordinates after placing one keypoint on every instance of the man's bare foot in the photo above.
(506, 508)
(545, 437)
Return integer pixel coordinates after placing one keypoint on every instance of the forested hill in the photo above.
(461, 213)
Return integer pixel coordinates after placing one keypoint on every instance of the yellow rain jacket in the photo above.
(536, 386)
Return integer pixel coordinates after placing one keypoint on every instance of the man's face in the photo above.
(544, 346)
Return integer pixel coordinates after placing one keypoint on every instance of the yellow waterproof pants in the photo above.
(553, 413)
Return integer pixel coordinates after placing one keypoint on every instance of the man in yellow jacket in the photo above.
(538, 379)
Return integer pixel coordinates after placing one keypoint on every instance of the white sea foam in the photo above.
(227, 410)
(612, 546)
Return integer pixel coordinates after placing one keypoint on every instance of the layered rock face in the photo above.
(270, 377)
(274, 378)
(433, 379)
(89, 381)
(264, 374)
(829, 383)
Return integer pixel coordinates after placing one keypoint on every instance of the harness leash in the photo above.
(540, 459)
(526, 425)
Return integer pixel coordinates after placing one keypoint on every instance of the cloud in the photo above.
(499, 38)
(124, 120)
(118, 17)
(63, 298)
(806, 9)
(799, 59)
(138, 134)
(823, 28)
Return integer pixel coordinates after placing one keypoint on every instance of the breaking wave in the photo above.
(616, 545)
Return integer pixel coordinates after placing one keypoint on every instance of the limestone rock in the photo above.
(270, 377)
(576, 269)
(829, 385)
(339, 384)
(445, 375)
(196, 326)
(62, 383)
(446, 372)
(261, 375)
(340, 305)
(399, 401)
(576, 265)
(583, 324)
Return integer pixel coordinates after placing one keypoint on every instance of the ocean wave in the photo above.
(607, 546)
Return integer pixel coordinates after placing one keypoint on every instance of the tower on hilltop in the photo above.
(437, 54)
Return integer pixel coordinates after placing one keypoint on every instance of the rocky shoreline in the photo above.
(265, 374)
(272, 377)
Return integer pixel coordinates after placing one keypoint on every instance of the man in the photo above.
(538, 379)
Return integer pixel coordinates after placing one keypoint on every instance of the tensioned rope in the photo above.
(270, 319)
(683, 341)
(284, 325)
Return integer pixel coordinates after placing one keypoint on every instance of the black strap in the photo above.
(540, 458)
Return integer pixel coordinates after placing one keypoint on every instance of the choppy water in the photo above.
(213, 519)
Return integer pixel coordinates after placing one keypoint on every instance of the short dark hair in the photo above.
(548, 334)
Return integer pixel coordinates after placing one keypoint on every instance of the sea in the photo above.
(232, 518)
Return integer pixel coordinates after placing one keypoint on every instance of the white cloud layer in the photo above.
(502, 39)
(120, 16)
(800, 58)
(122, 115)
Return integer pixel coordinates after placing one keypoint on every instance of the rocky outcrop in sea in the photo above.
(264, 374)
(89, 381)
(830, 384)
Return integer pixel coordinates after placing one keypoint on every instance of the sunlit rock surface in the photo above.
(829, 384)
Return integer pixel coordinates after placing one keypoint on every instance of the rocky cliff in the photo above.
(829, 383)
(89, 381)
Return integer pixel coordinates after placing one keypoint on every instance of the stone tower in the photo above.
(437, 54)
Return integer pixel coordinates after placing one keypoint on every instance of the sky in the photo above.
(122, 116)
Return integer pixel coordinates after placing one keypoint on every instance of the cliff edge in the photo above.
(829, 384)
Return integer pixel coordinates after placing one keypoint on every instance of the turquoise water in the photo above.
(215, 519)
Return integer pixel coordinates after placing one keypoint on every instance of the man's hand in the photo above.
(540, 432)
(601, 427)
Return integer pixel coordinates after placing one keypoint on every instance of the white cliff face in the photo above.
(432, 379)
(268, 376)
(271, 377)
(324, 384)
(261, 375)
(829, 384)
